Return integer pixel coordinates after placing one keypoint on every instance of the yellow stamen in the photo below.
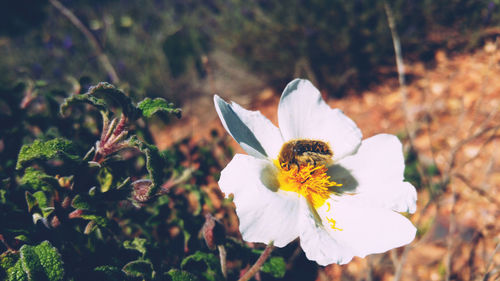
(309, 181)
(332, 224)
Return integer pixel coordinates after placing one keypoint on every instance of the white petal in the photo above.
(319, 245)
(366, 230)
(302, 113)
(375, 175)
(265, 212)
(254, 132)
(264, 130)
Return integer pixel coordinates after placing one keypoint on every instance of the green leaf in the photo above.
(150, 107)
(99, 220)
(204, 265)
(43, 203)
(3, 198)
(30, 200)
(139, 268)
(38, 180)
(86, 98)
(105, 179)
(107, 272)
(276, 266)
(103, 96)
(41, 262)
(154, 162)
(16, 273)
(80, 202)
(46, 150)
(185, 232)
(180, 275)
(50, 259)
(7, 260)
(22, 237)
(138, 244)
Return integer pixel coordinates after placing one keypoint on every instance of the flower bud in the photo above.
(213, 232)
(75, 214)
(141, 190)
(55, 222)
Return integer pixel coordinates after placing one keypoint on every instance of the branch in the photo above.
(490, 262)
(400, 66)
(103, 59)
(258, 264)
(477, 189)
(451, 235)
(404, 106)
(462, 143)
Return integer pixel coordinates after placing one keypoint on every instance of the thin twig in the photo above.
(400, 67)
(402, 259)
(451, 233)
(402, 84)
(398, 263)
(258, 264)
(491, 138)
(477, 189)
(462, 143)
(2, 239)
(491, 165)
(490, 262)
(103, 59)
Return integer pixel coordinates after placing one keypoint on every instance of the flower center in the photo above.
(310, 181)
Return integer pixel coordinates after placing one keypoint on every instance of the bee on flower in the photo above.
(314, 178)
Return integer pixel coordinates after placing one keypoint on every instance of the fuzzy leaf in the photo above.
(99, 220)
(203, 264)
(149, 107)
(138, 244)
(86, 98)
(7, 260)
(16, 273)
(30, 200)
(81, 203)
(46, 150)
(180, 275)
(154, 162)
(103, 96)
(107, 272)
(43, 203)
(41, 262)
(115, 97)
(3, 198)
(275, 266)
(23, 238)
(38, 180)
(105, 179)
(139, 268)
(50, 259)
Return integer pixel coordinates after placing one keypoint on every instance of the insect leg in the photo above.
(298, 166)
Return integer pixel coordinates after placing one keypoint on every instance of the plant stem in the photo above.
(222, 256)
(103, 59)
(258, 264)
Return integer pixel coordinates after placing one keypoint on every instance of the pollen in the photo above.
(332, 224)
(310, 181)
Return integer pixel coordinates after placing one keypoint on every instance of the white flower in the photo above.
(340, 207)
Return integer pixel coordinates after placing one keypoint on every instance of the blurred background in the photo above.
(445, 112)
